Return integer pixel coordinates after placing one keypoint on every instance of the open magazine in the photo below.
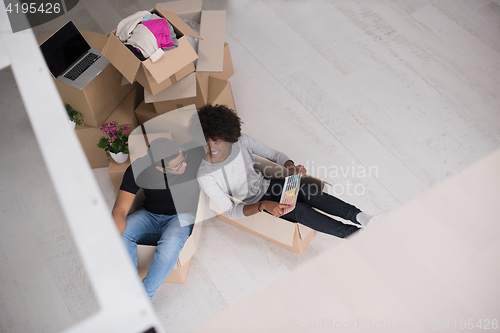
(290, 192)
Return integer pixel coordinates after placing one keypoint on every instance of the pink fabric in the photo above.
(160, 30)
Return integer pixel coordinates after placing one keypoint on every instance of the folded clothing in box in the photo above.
(147, 35)
(171, 67)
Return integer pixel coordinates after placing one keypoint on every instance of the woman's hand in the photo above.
(274, 208)
(296, 169)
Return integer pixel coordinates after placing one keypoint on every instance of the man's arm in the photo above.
(122, 206)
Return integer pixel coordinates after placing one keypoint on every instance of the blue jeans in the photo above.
(167, 232)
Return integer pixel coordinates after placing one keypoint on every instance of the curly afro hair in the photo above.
(219, 122)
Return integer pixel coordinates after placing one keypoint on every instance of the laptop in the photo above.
(70, 58)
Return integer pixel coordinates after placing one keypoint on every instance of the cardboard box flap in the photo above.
(185, 8)
(225, 97)
(125, 81)
(211, 47)
(191, 244)
(145, 255)
(178, 22)
(170, 62)
(145, 107)
(121, 57)
(203, 213)
(304, 231)
(203, 81)
(215, 88)
(95, 40)
(185, 88)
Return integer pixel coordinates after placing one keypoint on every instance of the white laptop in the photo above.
(70, 58)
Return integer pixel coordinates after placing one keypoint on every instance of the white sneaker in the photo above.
(374, 218)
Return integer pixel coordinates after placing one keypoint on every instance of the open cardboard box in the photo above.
(97, 100)
(293, 236)
(214, 57)
(170, 68)
(122, 114)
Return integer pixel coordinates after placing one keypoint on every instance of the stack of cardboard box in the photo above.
(104, 99)
(173, 81)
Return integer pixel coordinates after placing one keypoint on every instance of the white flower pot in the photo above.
(119, 158)
(72, 124)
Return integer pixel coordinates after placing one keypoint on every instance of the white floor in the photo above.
(408, 89)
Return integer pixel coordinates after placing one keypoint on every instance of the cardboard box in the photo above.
(214, 58)
(90, 136)
(171, 67)
(97, 100)
(163, 103)
(116, 172)
(178, 273)
(220, 93)
(227, 66)
(165, 100)
(145, 112)
(124, 113)
(293, 236)
(217, 92)
(212, 31)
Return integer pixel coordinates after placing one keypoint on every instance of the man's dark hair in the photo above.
(220, 122)
(163, 149)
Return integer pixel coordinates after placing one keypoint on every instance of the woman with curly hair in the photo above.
(227, 169)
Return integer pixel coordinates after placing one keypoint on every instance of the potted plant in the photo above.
(116, 142)
(75, 117)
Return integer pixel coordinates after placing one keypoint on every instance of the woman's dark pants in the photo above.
(311, 196)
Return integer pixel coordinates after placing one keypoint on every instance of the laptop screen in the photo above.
(63, 48)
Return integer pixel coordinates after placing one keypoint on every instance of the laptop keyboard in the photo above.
(81, 66)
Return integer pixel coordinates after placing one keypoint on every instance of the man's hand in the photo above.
(274, 208)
